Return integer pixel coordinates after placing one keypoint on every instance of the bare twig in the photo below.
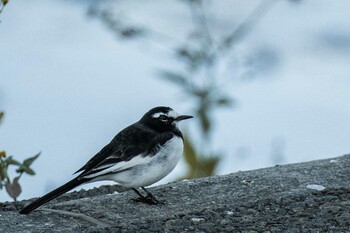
(78, 215)
(248, 24)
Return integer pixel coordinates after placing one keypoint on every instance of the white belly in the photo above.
(151, 169)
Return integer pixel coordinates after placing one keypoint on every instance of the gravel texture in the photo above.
(304, 197)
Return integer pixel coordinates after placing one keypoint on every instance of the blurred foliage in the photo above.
(3, 4)
(198, 166)
(13, 186)
(1, 116)
(200, 56)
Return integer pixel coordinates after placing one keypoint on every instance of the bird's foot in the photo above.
(149, 199)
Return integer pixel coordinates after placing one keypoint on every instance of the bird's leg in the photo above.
(138, 193)
(149, 199)
(149, 194)
(141, 198)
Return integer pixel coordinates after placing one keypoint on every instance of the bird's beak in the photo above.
(183, 117)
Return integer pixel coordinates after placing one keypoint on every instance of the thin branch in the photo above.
(78, 215)
(107, 17)
(200, 17)
(243, 30)
(248, 24)
(203, 22)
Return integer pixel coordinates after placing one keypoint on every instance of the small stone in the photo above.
(316, 187)
(310, 201)
(229, 212)
(197, 220)
(224, 222)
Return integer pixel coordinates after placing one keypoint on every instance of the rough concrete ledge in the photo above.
(304, 197)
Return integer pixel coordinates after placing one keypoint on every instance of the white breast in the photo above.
(150, 169)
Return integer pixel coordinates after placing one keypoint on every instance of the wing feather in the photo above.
(116, 162)
(129, 148)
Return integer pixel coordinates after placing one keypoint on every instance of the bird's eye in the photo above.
(163, 118)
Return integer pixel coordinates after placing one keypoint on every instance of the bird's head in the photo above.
(163, 118)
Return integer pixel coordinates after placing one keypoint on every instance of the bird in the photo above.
(138, 156)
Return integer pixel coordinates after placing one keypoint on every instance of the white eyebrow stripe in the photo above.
(171, 114)
(158, 114)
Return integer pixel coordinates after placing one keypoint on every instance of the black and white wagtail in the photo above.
(138, 156)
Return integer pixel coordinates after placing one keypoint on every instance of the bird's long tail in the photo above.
(51, 195)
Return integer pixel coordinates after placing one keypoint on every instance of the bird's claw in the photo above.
(149, 199)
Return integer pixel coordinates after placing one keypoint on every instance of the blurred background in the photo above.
(268, 81)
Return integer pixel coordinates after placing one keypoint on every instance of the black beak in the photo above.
(183, 117)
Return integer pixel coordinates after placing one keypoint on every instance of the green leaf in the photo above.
(204, 121)
(13, 189)
(29, 161)
(184, 53)
(12, 161)
(25, 169)
(208, 166)
(3, 171)
(176, 78)
(130, 32)
(224, 101)
(2, 176)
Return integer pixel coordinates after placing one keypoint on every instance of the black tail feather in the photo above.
(51, 195)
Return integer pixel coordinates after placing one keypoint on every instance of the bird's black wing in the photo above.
(124, 145)
(134, 140)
